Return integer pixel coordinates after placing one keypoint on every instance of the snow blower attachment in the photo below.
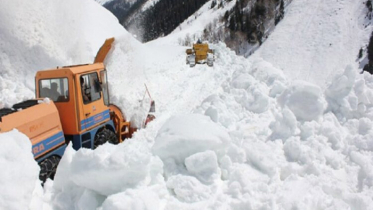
(104, 50)
(200, 54)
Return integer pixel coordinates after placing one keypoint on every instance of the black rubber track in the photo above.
(103, 136)
(48, 168)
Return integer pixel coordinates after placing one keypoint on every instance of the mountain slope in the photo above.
(319, 42)
(242, 25)
(159, 18)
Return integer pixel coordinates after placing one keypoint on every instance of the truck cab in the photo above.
(81, 96)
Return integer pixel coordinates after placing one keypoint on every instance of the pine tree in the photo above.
(370, 50)
(369, 5)
(213, 4)
(369, 67)
(360, 53)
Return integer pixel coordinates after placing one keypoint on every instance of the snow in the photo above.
(182, 136)
(194, 25)
(304, 99)
(20, 177)
(334, 29)
(102, 2)
(148, 4)
(56, 34)
(288, 128)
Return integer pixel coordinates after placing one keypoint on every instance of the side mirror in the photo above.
(97, 86)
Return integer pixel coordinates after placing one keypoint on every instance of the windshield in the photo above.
(57, 89)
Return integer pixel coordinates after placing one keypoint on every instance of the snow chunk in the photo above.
(112, 168)
(242, 81)
(342, 84)
(138, 199)
(188, 189)
(304, 99)
(204, 166)
(332, 129)
(217, 108)
(266, 72)
(255, 99)
(185, 135)
(212, 112)
(285, 125)
(45, 101)
(366, 170)
(293, 150)
(341, 97)
(20, 178)
(249, 93)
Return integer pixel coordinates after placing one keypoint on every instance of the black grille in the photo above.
(25, 104)
(5, 111)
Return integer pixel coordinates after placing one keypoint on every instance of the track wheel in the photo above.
(103, 136)
(48, 168)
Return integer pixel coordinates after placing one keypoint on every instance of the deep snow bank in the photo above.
(91, 176)
(19, 179)
(295, 143)
(44, 34)
(262, 144)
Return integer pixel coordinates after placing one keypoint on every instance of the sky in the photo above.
(288, 128)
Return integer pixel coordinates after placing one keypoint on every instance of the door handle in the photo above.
(87, 114)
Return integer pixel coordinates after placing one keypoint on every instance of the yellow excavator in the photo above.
(200, 53)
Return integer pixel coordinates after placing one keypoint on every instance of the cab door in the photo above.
(105, 87)
(93, 110)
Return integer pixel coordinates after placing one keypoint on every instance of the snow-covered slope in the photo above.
(33, 38)
(195, 24)
(102, 2)
(240, 135)
(317, 39)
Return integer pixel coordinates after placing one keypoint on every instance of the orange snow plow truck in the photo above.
(78, 110)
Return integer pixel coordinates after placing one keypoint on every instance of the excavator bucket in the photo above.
(104, 50)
